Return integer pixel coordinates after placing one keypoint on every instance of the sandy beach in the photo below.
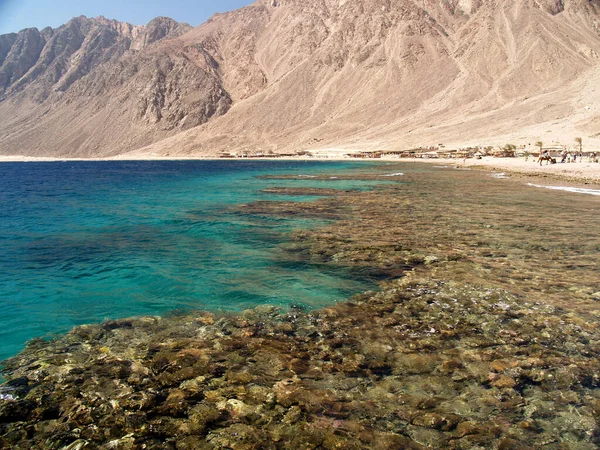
(586, 172)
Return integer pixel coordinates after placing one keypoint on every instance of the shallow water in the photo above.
(86, 241)
(504, 231)
(483, 333)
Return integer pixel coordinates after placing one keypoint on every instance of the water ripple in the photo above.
(568, 189)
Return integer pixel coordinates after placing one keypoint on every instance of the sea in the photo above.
(87, 241)
(82, 242)
(483, 310)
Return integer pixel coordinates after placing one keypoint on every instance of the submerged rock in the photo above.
(378, 368)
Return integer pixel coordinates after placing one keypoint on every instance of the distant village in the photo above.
(557, 152)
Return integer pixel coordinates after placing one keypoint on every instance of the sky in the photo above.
(16, 15)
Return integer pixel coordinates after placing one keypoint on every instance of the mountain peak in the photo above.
(351, 74)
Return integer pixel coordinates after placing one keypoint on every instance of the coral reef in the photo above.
(456, 350)
(418, 365)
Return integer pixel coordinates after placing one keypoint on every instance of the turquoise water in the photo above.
(86, 241)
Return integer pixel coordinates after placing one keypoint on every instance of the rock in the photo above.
(502, 365)
(79, 444)
(431, 259)
(293, 415)
(449, 366)
(179, 379)
(201, 416)
(468, 428)
(503, 382)
(239, 409)
(437, 421)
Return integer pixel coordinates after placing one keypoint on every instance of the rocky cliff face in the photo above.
(97, 87)
(55, 59)
(380, 74)
(295, 74)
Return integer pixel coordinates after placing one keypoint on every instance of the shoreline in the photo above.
(585, 172)
(578, 172)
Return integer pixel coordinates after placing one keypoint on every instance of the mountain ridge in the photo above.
(292, 75)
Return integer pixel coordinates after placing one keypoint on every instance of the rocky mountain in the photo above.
(98, 87)
(284, 75)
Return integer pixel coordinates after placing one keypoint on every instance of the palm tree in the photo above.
(580, 143)
(509, 150)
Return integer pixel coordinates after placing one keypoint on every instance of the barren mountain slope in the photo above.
(286, 75)
(381, 74)
(95, 87)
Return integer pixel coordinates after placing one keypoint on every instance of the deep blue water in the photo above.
(81, 242)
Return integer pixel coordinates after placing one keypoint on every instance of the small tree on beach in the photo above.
(539, 144)
(580, 143)
(509, 150)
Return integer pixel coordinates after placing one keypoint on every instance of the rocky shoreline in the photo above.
(418, 365)
(461, 348)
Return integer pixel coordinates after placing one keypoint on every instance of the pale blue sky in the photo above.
(18, 14)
